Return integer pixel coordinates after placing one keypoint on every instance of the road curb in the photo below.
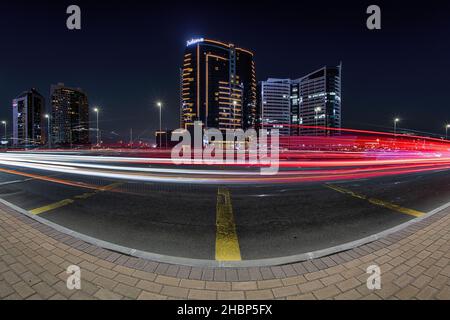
(218, 264)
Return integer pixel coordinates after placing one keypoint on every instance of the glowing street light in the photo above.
(97, 110)
(49, 138)
(4, 124)
(396, 120)
(317, 110)
(446, 131)
(159, 105)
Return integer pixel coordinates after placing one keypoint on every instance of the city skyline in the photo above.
(247, 150)
(121, 73)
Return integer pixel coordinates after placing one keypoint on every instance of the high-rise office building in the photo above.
(28, 119)
(275, 105)
(218, 85)
(316, 101)
(69, 115)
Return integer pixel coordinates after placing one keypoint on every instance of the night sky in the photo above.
(128, 53)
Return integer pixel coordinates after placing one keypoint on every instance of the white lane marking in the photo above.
(15, 181)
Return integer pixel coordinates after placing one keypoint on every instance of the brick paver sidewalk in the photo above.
(34, 257)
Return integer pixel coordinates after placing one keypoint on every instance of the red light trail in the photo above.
(352, 154)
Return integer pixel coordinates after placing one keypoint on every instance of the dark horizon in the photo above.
(127, 56)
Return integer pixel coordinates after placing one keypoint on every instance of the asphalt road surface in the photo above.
(182, 220)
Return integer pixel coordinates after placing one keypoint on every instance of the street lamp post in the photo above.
(5, 137)
(159, 105)
(446, 131)
(4, 124)
(396, 120)
(97, 110)
(49, 138)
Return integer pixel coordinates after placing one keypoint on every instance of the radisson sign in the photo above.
(194, 41)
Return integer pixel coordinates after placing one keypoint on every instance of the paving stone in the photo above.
(244, 285)
(285, 291)
(307, 296)
(332, 279)
(192, 284)
(126, 279)
(218, 286)
(150, 296)
(105, 294)
(11, 277)
(34, 258)
(230, 295)
(348, 295)
(267, 284)
(127, 291)
(167, 280)
(387, 290)
(407, 292)
(149, 286)
(348, 284)
(44, 290)
(176, 292)
(421, 281)
(80, 295)
(444, 294)
(104, 282)
(293, 280)
(30, 278)
(259, 294)
(315, 275)
(202, 294)
(310, 286)
(327, 292)
(427, 293)
(5, 289)
(106, 273)
(446, 270)
(23, 289)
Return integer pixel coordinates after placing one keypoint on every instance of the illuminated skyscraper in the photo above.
(69, 115)
(28, 119)
(316, 101)
(274, 101)
(218, 85)
(305, 106)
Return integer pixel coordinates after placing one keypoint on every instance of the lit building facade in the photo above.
(69, 116)
(274, 103)
(316, 101)
(218, 86)
(28, 119)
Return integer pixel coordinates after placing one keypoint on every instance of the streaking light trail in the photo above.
(351, 154)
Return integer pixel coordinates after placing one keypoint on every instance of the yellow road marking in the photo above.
(85, 195)
(66, 202)
(377, 202)
(227, 244)
(50, 179)
(52, 206)
(100, 189)
(110, 187)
